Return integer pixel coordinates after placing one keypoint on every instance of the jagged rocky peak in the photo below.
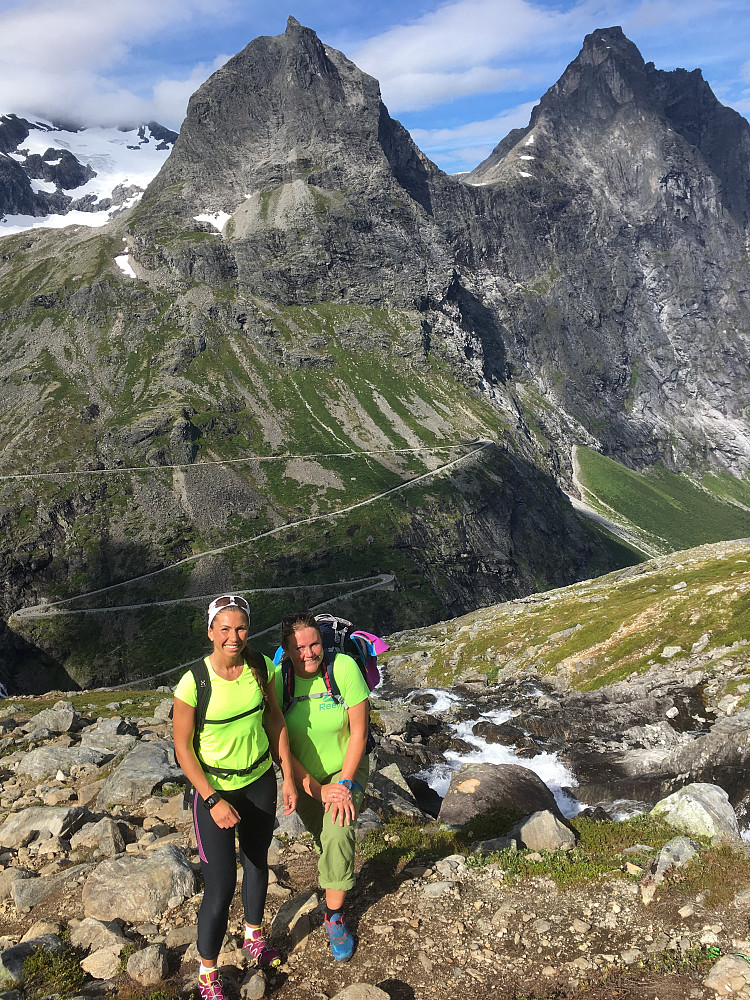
(285, 109)
(608, 72)
(651, 135)
(290, 152)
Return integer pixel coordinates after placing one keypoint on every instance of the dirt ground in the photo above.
(395, 935)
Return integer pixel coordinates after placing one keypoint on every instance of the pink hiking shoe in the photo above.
(259, 950)
(209, 985)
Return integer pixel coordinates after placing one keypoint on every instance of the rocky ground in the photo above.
(94, 842)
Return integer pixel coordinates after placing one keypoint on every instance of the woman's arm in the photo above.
(183, 727)
(278, 737)
(359, 717)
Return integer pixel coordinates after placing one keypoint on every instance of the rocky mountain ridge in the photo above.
(307, 317)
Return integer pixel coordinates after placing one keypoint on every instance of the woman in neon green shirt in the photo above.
(328, 741)
(235, 787)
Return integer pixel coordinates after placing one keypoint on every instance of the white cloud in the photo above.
(463, 147)
(457, 50)
(421, 90)
(55, 57)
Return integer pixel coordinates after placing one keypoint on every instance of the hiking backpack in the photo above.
(339, 636)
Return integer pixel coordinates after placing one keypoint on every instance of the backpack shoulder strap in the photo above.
(287, 686)
(329, 677)
(203, 696)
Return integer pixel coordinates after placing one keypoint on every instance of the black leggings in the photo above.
(256, 804)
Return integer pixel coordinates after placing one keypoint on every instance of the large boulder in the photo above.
(699, 809)
(44, 761)
(138, 889)
(146, 767)
(477, 788)
(57, 821)
(28, 892)
(58, 719)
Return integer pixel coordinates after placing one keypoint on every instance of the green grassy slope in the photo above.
(690, 603)
(662, 510)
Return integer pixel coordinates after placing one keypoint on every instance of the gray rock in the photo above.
(11, 875)
(434, 890)
(729, 977)
(115, 725)
(56, 821)
(91, 935)
(543, 831)
(290, 912)
(58, 719)
(136, 889)
(361, 991)
(104, 837)
(149, 965)
(477, 788)
(45, 761)
(12, 959)
(367, 821)
(288, 826)
(485, 847)
(104, 963)
(145, 767)
(28, 892)
(163, 709)
(699, 809)
(253, 986)
(390, 793)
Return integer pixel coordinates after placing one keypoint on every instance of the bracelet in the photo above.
(211, 801)
(350, 784)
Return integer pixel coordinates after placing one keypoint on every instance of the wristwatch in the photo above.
(211, 801)
(347, 783)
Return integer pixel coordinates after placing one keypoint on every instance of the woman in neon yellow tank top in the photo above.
(234, 783)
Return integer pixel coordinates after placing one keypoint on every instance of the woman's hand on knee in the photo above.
(225, 815)
(342, 812)
(329, 794)
(337, 800)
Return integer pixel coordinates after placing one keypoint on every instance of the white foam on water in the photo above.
(443, 699)
(547, 766)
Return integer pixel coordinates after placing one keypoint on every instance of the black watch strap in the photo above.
(211, 801)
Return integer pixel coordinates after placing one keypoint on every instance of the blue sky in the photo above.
(459, 75)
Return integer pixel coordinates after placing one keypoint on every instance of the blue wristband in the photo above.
(350, 784)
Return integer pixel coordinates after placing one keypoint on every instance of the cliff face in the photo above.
(319, 316)
(633, 184)
(328, 197)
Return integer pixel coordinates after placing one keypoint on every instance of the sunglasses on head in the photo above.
(227, 601)
(297, 617)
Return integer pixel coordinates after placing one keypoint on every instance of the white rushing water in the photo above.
(553, 772)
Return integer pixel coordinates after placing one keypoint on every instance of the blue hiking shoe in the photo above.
(339, 937)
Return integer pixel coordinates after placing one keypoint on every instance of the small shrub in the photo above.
(46, 972)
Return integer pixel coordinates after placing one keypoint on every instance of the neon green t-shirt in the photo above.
(234, 744)
(319, 727)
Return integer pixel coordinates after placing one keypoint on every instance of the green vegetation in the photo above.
(719, 872)
(670, 511)
(52, 972)
(603, 630)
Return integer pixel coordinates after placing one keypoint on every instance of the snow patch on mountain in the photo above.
(124, 162)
